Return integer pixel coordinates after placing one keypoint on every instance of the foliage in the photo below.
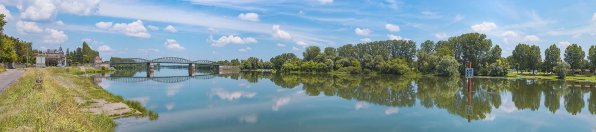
(311, 52)
(427, 47)
(321, 67)
(552, 55)
(7, 52)
(404, 49)
(267, 65)
(351, 70)
(592, 58)
(395, 66)
(561, 69)
(499, 68)
(330, 51)
(470, 47)
(448, 66)
(279, 60)
(341, 63)
(427, 63)
(574, 55)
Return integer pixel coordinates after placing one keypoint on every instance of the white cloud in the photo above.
(392, 28)
(171, 28)
(43, 48)
(594, 17)
(43, 10)
(490, 117)
(294, 48)
(55, 36)
(457, 18)
(252, 118)
(225, 40)
(393, 4)
(152, 27)
(301, 43)
(531, 38)
(172, 44)
(365, 40)
(484, 27)
(391, 110)
(104, 48)
(212, 30)
(103, 25)
(249, 16)
(6, 12)
(247, 49)
(231, 95)
(441, 36)
(88, 40)
(24, 27)
(59, 22)
(505, 41)
(172, 89)
(577, 36)
(280, 34)
(509, 34)
(393, 37)
(170, 106)
(145, 51)
(281, 45)
(363, 31)
(362, 104)
(325, 1)
(280, 101)
(214, 52)
(301, 12)
(564, 44)
(134, 29)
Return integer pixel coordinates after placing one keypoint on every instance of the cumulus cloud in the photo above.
(247, 49)
(280, 34)
(361, 104)
(484, 27)
(564, 44)
(280, 101)
(363, 31)
(6, 12)
(393, 37)
(152, 27)
(531, 38)
(365, 40)
(441, 36)
(212, 30)
(594, 17)
(172, 44)
(294, 48)
(54, 36)
(231, 95)
(505, 41)
(577, 36)
(134, 29)
(249, 16)
(302, 43)
(59, 22)
(103, 25)
(325, 1)
(509, 34)
(391, 110)
(104, 48)
(281, 45)
(225, 40)
(24, 27)
(392, 28)
(43, 10)
(88, 40)
(170, 28)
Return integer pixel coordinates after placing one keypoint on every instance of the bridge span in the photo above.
(172, 60)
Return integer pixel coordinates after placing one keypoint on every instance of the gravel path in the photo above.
(9, 77)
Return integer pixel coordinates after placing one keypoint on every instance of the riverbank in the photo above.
(25, 107)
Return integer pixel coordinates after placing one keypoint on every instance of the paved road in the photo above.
(9, 77)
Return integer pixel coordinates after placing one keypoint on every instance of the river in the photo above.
(264, 101)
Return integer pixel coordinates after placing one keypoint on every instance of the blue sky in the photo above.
(227, 29)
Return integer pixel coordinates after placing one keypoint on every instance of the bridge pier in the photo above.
(191, 69)
(150, 69)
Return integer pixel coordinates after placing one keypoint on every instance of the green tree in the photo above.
(574, 56)
(427, 63)
(268, 65)
(428, 47)
(395, 66)
(448, 66)
(494, 54)
(534, 58)
(7, 53)
(592, 58)
(311, 53)
(279, 60)
(330, 51)
(561, 69)
(470, 47)
(520, 55)
(552, 55)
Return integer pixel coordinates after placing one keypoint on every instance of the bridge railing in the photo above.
(159, 60)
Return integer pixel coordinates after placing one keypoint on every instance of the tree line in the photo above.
(81, 55)
(12, 49)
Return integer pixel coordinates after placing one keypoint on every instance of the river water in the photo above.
(261, 101)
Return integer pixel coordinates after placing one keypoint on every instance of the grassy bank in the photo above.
(554, 77)
(53, 107)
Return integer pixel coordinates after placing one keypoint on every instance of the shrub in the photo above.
(321, 67)
(499, 68)
(395, 66)
(103, 68)
(448, 66)
(366, 71)
(561, 69)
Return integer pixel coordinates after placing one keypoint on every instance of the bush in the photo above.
(448, 66)
(321, 67)
(561, 69)
(499, 68)
(103, 68)
(351, 70)
(366, 71)
(395, 66)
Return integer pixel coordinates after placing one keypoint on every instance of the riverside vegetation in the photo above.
(24, 107)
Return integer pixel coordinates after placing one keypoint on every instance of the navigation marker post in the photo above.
(469, 74)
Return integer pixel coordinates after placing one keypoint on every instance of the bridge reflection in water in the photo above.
(169, 79)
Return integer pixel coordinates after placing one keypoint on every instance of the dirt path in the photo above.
(9, 77)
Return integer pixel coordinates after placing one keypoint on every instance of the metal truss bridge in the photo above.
(171, 79)
(175, 60)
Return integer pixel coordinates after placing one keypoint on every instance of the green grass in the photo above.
(590, 78)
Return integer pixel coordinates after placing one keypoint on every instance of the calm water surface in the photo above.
(257, 101)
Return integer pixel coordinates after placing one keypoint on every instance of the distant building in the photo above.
(579, 72)
(97, 60)
(57, 55)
